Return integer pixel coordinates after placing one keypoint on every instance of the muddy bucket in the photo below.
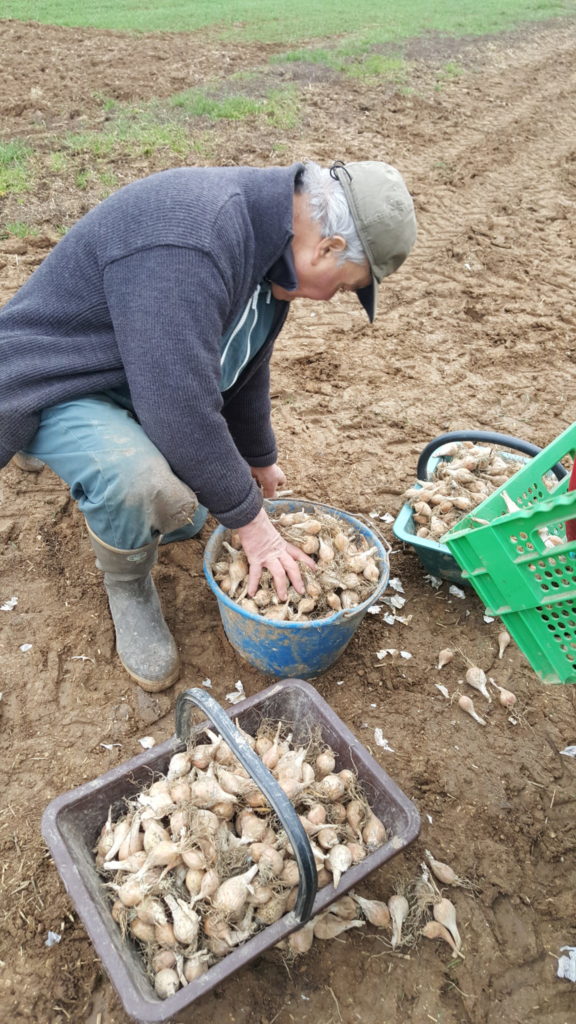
(296, 649)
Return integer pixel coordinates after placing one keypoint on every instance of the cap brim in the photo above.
(368, 296)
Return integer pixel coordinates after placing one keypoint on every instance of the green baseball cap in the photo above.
(383, 214)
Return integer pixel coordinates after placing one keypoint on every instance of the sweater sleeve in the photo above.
(248, 412)
(168, 305)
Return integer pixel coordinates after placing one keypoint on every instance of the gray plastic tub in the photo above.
(72, 822)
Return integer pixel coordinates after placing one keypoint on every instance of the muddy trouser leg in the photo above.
(130, 499)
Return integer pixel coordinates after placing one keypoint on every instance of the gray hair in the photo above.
(329, 207)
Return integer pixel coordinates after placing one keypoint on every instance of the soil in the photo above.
(476, 331)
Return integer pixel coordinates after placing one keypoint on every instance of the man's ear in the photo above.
(334, 244)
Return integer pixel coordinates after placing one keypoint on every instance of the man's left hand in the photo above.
(268, 478)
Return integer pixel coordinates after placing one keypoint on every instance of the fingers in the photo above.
(299, 556)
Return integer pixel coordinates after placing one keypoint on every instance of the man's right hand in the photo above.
(265, 548)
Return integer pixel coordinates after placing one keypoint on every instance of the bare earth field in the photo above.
(476, 331)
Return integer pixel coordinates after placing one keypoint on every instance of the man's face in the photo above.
(323, 277)
(316, 261)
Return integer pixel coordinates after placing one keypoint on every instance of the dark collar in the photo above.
(283, 272)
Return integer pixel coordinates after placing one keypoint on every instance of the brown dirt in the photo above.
(476, 331)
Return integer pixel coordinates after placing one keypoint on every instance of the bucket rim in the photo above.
(344, 614)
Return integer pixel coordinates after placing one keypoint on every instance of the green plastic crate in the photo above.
(531, 586)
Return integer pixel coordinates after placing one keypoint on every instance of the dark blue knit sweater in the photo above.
(140, 291)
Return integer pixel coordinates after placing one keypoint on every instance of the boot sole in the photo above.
(150, 685)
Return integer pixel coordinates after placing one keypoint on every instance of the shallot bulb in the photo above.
(445, 655)
(301, 941)
(398, 907)
(505, 697)
(375, 911)
(338, 861)
(185, 921)
(443, 872)
(444, 912)
(328, 926)
(504, 639)
(166, 983)
(476, 677)
(435, 930)
(466, 704)
(230, 896)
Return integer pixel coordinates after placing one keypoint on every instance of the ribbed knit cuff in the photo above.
(244, 513)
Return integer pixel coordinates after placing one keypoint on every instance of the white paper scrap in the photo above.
(569, 751)
(340, 682)
(395, 601)
(488, 618)
(110, 746)
(405, 654)
(25, 647)
(434, 581)
(52, 939)
(396, 585)
(9, 605)
(374, 609)
(207, 683)
(387, 518)
(382, 654)
(456, 592)
(236, 695)
(567, 964)
(380, 741)
(147, 742)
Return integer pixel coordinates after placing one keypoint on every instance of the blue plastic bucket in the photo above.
(293, 649)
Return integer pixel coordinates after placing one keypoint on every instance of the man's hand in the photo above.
(265, 548)
(268, 478)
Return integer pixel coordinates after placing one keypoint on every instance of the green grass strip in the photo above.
(293, 20)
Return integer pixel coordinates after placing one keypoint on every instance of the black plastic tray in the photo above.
(72, 822)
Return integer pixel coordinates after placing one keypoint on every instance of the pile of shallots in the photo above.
(197, 862)
(465, 475)
(347, 569)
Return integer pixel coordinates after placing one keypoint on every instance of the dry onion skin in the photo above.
(348, 569)
(467, 475)
(198, 862)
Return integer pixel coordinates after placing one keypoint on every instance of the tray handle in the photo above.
(486, 436)
(266, 782)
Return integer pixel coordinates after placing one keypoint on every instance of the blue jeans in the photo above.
(121, 482)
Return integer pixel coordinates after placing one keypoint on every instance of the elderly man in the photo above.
(135, 360)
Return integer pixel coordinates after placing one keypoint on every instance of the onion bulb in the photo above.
(444, 912)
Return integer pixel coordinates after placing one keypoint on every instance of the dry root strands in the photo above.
(348, 570)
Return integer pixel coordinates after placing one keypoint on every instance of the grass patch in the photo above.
(14, 157)
(19, 229)
(293, 20)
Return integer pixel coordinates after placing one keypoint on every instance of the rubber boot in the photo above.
(144, 643)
